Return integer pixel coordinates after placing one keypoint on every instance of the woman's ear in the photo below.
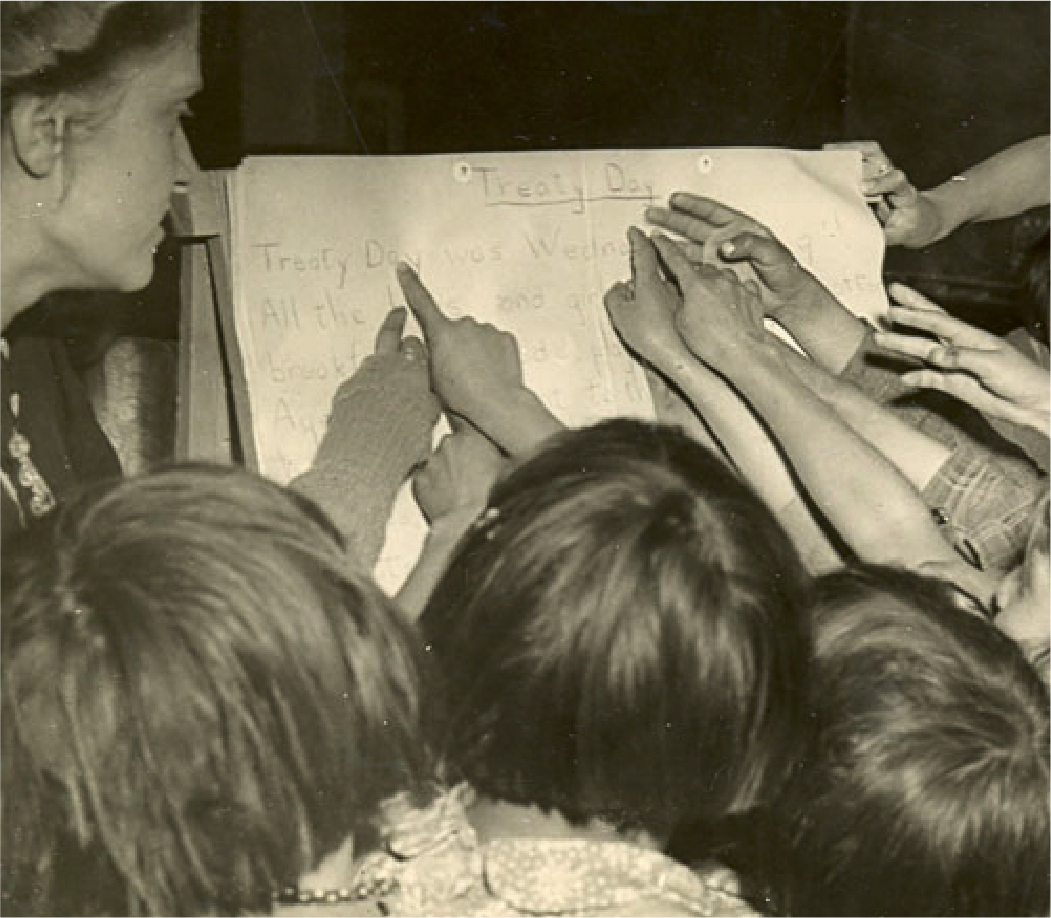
(37, 127)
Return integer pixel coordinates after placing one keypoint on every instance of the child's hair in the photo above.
(927, 791)
(621, 634)
(201, 698)
(1036, 277)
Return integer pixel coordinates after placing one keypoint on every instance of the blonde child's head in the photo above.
(201, 700)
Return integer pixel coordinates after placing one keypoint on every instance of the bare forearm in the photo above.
(916, 455)
(748, 444)
(518, 424)
(441, 542)
(1005, 185)
(865, 498)
(823, 327)
(739, 432)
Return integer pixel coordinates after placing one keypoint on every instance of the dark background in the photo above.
(940, 85)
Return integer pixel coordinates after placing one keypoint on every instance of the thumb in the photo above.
(763, 251)
(645, 265)
(388, 338)
(617, 296)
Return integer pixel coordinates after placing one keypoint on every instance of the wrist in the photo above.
(517, 421)
(944, 209)
(671, 360)
(730, 357)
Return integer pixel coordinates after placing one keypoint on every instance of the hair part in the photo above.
(200, 698)
(625, 640)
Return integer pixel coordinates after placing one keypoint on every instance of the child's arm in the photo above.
(758, 459)
(868, 501)
(452, 490)
(476, 373)
(1007, 184)
(915, 454)
(380, 428)
(644, 319)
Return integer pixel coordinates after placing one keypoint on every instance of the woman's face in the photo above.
(120, 173)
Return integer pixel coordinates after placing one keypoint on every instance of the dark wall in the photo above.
(943, 86)
(215, 130)
(940, 85)
(583, 75)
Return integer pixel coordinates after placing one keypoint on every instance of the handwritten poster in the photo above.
(527, 241)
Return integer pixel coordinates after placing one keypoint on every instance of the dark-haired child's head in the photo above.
(1036, 277)
(201, 700)
(621, 635)
(927, 792)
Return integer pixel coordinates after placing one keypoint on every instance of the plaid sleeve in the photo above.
(989, 512)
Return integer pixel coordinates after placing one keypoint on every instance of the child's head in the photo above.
(1023, 598)
(621, 636)
(200, 699)
(1035, 282)
(927, 792)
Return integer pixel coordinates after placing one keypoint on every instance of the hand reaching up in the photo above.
(721, 236)
(705, 223)
(968, 363)
(456, 479)
(718, 311)
(643, 312)
(472, 364)
(451, 489)
(476, 372)
(909, 218)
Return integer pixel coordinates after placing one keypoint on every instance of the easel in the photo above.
(213, 418)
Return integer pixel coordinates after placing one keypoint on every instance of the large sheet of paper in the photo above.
(527, 241)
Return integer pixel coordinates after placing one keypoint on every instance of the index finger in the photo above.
(645, 266)
(707, 209)
(432, 320)
(943, 326)
(702, 219)
(677, 263)
(388, 338)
